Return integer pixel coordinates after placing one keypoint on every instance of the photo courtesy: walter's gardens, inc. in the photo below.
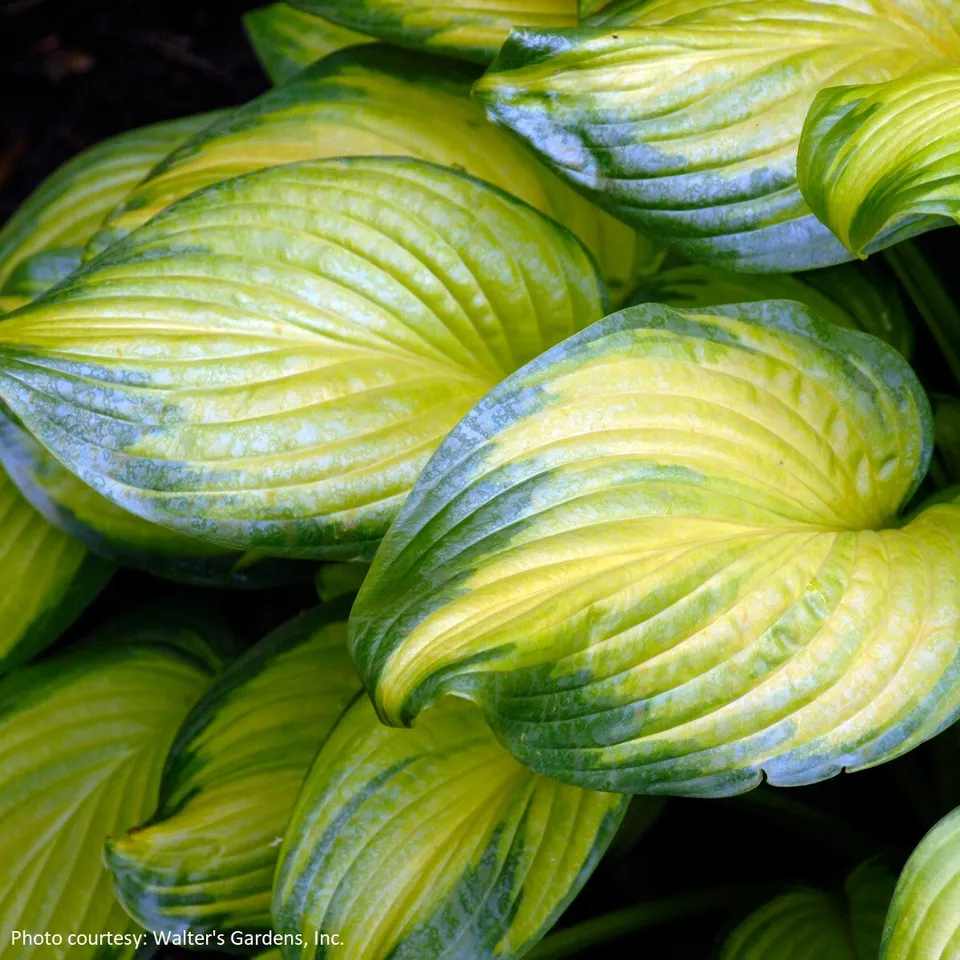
(480, 480)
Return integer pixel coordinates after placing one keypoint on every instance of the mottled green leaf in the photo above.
(880, 159)
(40, 271)
(924, 918)
(470, 30)
(375, 100)
(287, 40)
(121, 537)
(206, 860)
(47, 578)
(810, 924)
(432, 843)
(269, 363)
(83, 737)
(856, 296)
(667, 557)
(70, 205)
(683, 117)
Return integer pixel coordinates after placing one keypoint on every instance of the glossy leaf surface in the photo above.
(206, 860)
(684, 118)
(856, 296)
(287, 40)
(268, 365)
(881, 159)
(106, 715)
(432, 843)
(374, 100)
(924, 918)
(667, 557)
(113, 533)
(470, 30)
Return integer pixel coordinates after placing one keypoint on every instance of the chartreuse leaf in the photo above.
(40, 271)
(666, 557)
(269, 364)
(881, 158)
(810, 924)
(10, 303)
(122, 537)
(683, 117)
(48, 578)
(924, 918)
(69, 206)
(376, 100)
(588, 8)
(856, 296)
(206, 860)
(336, 580)
(431, 843)
(83, 737)
(472, 31)
(286, 39)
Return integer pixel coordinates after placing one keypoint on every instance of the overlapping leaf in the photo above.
(924, 918)
(46, 578)
(287, 40)
(69, 206)
(86, 517)
(269, 364)
(856, 296)
(818, 924)
(666, 557)
(83, 739)
(206, 860)
(431, 843)
(374, 100)
(473, 31)
(684, 117)
(881, 159)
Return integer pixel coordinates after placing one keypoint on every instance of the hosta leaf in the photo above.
(10, 303)
(432, 843)
(83, 738)
(825, 925)
(269, 364)
(473, 31)
(666, 557)
(122, 537)
(374, 100)
(683, 117)
(70, 205)
(881, 158)
(47, 578)
(287, 40)
(206, 860)
(857, 296)
(924, 918)
(588, 8)
(40, 271)
(336, 580)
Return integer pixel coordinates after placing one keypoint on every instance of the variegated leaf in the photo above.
(431, 843)
(683, 117)
(880, 160)
(269, 363)
(205, 861)
(376, 101)
(924, 918)
(287, 40)
(470, 30)
(83, 738)
(667, 557)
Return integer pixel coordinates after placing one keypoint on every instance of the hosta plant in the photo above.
(350, 340)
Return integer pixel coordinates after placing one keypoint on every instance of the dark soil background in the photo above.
(74, 72)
